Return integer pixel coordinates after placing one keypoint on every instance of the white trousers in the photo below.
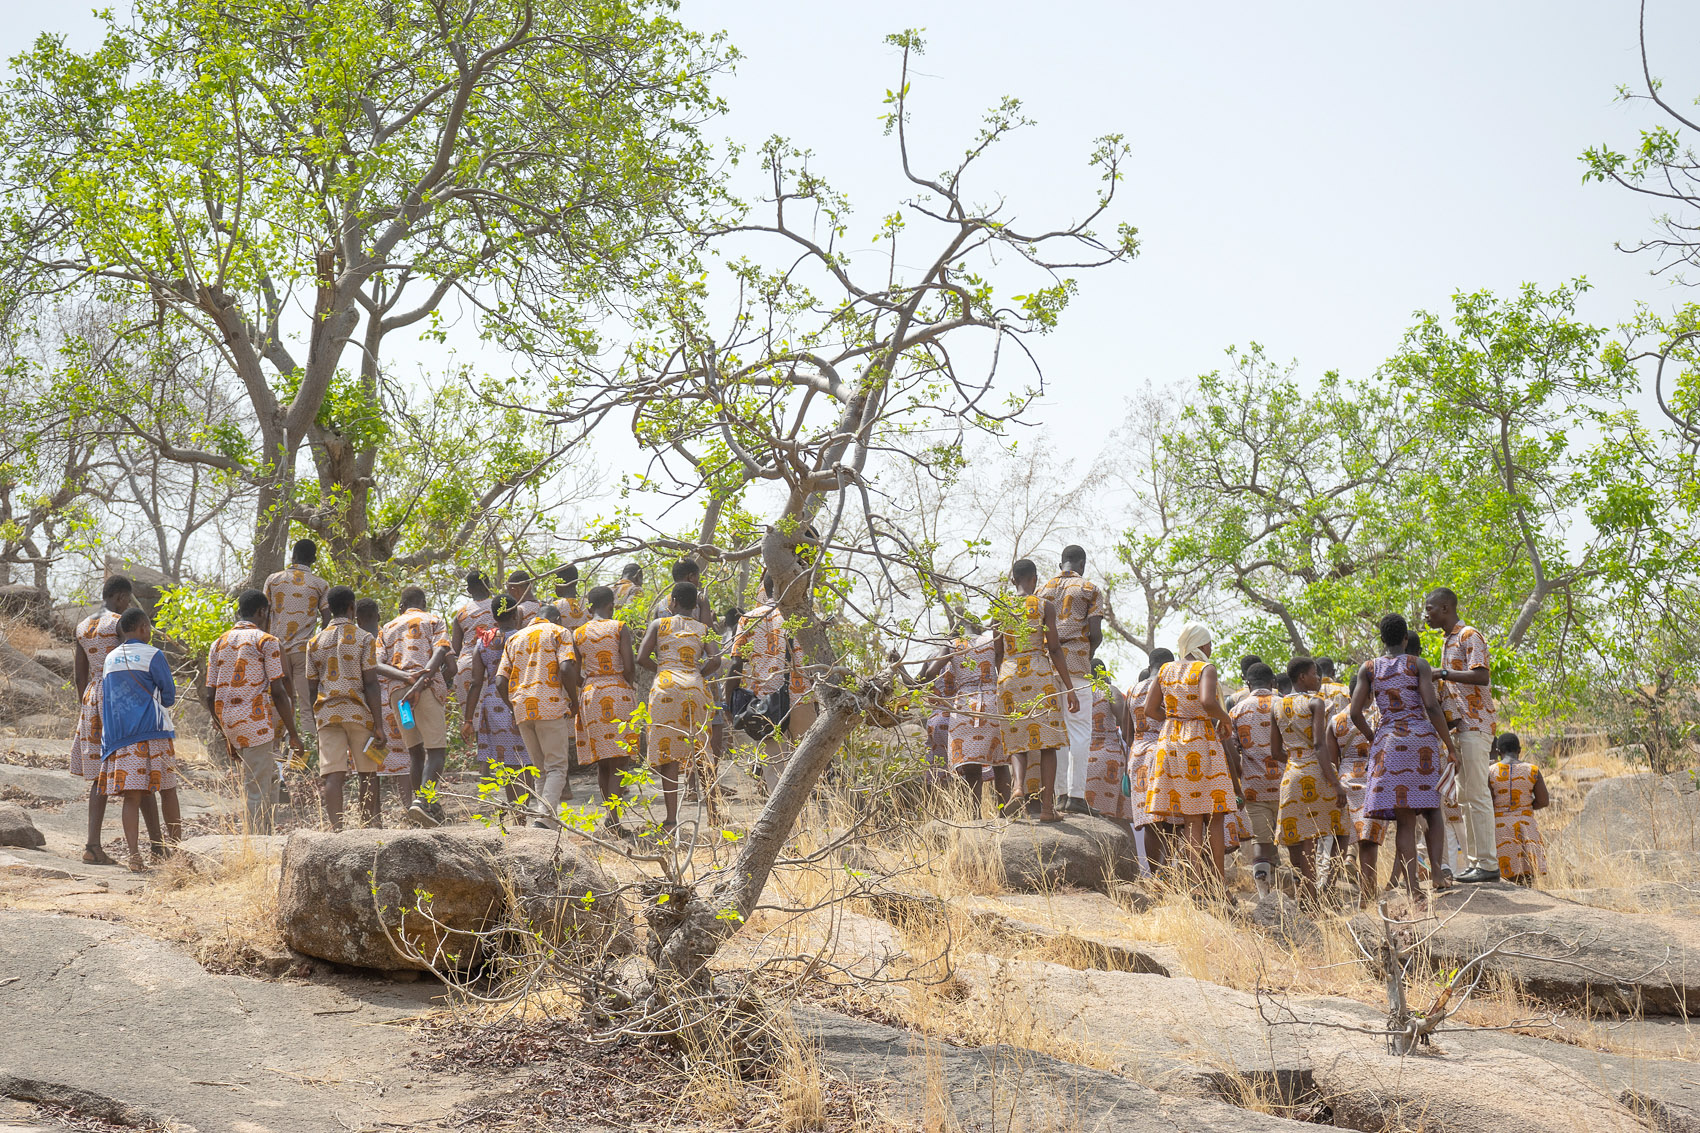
(1079, 722)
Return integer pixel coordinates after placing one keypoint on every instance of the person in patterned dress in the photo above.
(347, 706)
(1032, 678)
(97, 635)
(1312, 800)
(682, 652)
(471, 614)
(489, 718)
(137, 760)
(689, 570)
(965, 675)
(248, 695)
(1195, 764)
(629, 585)
(1519, 791)
(520, 590)
(1154, 834)
(764, 657)
(533, 676)
(1079, 605)
(398, 763)
(1407, 744)
(297, 599)
(1262, 761)
(939, 696)
(1347, 750)
(603, 674)
(1106, 766)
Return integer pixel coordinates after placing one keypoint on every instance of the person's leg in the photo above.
(1003, 785)
(1048, 785)
(1436, 832)
(334, 756)
(334, 784)
(132, 832)
(1261, 813)
(1405, 851)
(1303, 857)
(1217, 842)
(1475, 799)
(92, 852)
(259, 785)
(1072, 760)
(1018, 790)
(415, 768)
(297, 661)
(371, 800)
(772, 760)
(552, 739)
(150, 819)
(1369, 879)
(668, 773)
(969, 773)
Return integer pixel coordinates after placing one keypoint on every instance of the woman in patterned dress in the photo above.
(1143, 732)
(600, 678)
(1106, 759)
(1347, 750)
(681, 652)
(1031, 670)
(1195, 779)
(1518, 792)
(97, 635)
(1311, 797)
(939, 698)
(970, 662)
(489, 718)
(137, 756)
(1407, 745)
(471, 614)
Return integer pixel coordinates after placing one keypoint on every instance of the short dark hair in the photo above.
(1023, 568)
(731, 616)
(132, 618)
(340, 599)
(411, 598)
(686, 569)
(599, 596)
(1325, 666)
(117, 584)
(503, 608)
(306, 552)
(1248, 661)
(518, 576)
(1394, 628)
(1414, 643)
(549, 611)
(250, 603)
(1299, 666)
(1283, 683)
(685, 596)
(1444, 594)
(631, 570)
(1160, 656)
(1259, 675)
(1505, 741)
(366, 606)
(568, 573)
(1074, 553)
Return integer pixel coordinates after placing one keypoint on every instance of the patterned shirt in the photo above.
(1254, 725)
(1470, 705)
(529, 663)
(472, 615)
(98, 635)
(241, 666)
(339, 658)
(574, 613)
(1077, 601)
(760, 642)
(296, 596)
(409, 640)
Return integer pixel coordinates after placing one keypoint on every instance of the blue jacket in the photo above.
(136, 688)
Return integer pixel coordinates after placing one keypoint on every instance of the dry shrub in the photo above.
(225, 910)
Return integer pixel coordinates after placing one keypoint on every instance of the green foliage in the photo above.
(194, 615)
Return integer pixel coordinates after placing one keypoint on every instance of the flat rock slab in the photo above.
(44, 783)
(1639, 812)
(1609, 962)
(1654, 897)
(131, 1027)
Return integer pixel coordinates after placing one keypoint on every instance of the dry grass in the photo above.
(25, 636)
(225, 911)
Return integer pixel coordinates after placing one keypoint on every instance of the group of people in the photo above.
(1293, 759)
(310, 668)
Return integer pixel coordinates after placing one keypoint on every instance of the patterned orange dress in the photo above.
(1309, 807)
(1106, 760)
(1521, 851)
(680, 708)
(1254, 721)
(1189, 770)
(975, 735)
(98, 635)
(605, 699)
(1354, 775)
(1028, 692)
(1139, 749)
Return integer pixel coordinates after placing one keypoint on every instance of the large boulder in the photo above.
(435, 890)
(17, 829)
(146, 582)
(1637, 812)
(59, 660)
(1082, 851)
(1566, 954)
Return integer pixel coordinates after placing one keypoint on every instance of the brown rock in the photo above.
(59, 661)
(1083, 851)
(17, 829)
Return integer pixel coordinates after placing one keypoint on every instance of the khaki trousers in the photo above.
(1475, 799)
(259, 785)
(295, 665)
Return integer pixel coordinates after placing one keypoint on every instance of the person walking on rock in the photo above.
(1195, 765)
(1467, 703)
(532, 678)
(1348, 751)
(249, 697)
(1262, 762)
(137, 756)
(471, 614)
(1034, 689)
(1312, 801)
(1519, 791)
(348, 707)
(97, 635)
(297, 599)
(1079, 605)
(682, 653)
(602, 674)
(416, 642)
(489, 717)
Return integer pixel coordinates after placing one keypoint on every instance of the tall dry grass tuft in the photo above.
(228, 904)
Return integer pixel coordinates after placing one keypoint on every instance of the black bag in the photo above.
(759, 716)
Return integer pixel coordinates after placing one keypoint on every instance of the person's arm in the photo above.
(1124, 718)
(740, 650)
(1330, 752)
(711, 654)
(1277, 745)
(504, 670)
(439, 654)
(160, 669)
(1053, 645)
(933, 666)
(457, 636)
(80, 670)
(1227, 734)
(474, 692)
(285, 705)
(1095, 632)
(570, 678)
(1542, 800)
(374, 697)
(1431, 704)
(1360, 701)
(1475, 671)
(646, 650)
(1154, 710)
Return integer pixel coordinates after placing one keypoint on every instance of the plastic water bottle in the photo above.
(404, 711)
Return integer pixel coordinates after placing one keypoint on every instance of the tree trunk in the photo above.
(271, 522)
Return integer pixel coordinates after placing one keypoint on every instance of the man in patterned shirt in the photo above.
(1466, 699)
(765, 656)
(1080, 623)
(97, 635)
(416, 642)
(348, 707)
(1262, 763)
(532, 678)
(519, 589)
(297, 599)
(248, 698)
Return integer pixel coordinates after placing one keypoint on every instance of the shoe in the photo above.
(1478, 875)
(420, 816)
(1072, 805)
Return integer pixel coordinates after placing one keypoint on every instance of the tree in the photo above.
(295, 179)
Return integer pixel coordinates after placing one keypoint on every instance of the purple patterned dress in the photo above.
(498, 736)
(1406, 756)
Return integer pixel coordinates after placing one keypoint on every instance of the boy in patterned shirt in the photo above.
(248, 698)
(297, 599)
(416, 642)
(532, 677)
(1466, 700)
(1079, 606)
(348, 707)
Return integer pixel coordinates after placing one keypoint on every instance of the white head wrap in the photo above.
(1194, 637)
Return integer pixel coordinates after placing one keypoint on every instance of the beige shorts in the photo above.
(430, 728)
(341, 744)
(546, 742)
(295, 665)
(1264, 818)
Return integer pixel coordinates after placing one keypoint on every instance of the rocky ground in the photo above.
(958, 975)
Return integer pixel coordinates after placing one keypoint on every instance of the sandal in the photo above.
(95, 855)
(136, 865)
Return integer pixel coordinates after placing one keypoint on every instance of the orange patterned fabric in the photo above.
(1028, 693)
(97, 635)
(241, 666)
(1354, 774)
(1077, 601)
(760, 642)
(529, 662)
(1521, 851)
(975, 735)
(1106, 760)
(1309, 807)
(574, 613)
(1470, 705)
(1254, 727)
(296, 595)
(1139, 752)
(1336, 696)
(148, 765)
(408, 641)
(469, 616)
(680, 708)
(339, 658)
(606, 700)
(1189, 768)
